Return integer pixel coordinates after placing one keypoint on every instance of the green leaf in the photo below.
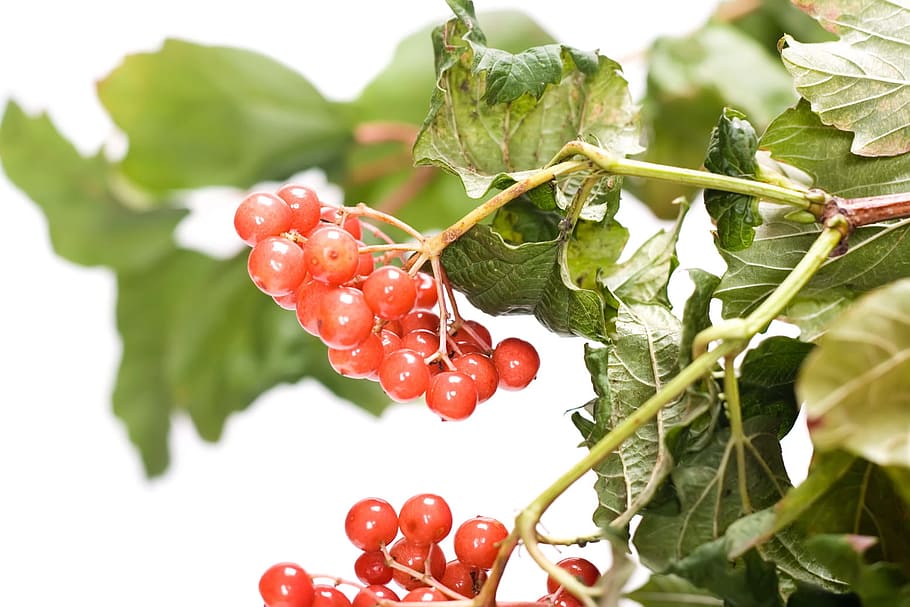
(89, 223)
(799, 138)
(859, 82)
(496, 114)
(521, 221)
(690, 81)
(732, 152)
(183, 349)
(856, 384)
(878, 254)
(767, 377)
(771, 19)
(204, 115)
(499, 278)
(594, 250)
(696, 312)
(672, 591)
(747, 582)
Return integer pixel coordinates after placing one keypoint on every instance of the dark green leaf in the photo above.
(767, 377)
(203, 115)
(696, 313)
(89, 223)
(593, 251)
(520, 221)
(672, 591)
(746, 582)
(856, 384)
(731, 151)
(771, 19)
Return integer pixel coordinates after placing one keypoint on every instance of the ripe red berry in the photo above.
(344, 320)
(481, 369)
(477, 541)
(371, 523)
(360, 361)
(466, 581)
(304, 204)
(419, 319)
(422, 558)
(422, 341)
(424, 594)
(390, 292)
(371, 568)
(309, 299)
(371, 595)
(517, 363)
(564, 599)
(331, 255)
(329, 596)
(286, 585)
(472, 332)
(425, 518)
(404, 375)
(584, 571)
(260, 215)
(276, 265)
(452, 395)
(427, 296)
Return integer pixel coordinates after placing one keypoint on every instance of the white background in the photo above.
(79, 524)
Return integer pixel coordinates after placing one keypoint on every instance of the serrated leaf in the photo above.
(860, 82)
(731, 152)
(200, 115)
(89, 224)
(799, 138)
(184, 350)
(856, 384)
(499, 278)
(482, 135)
(767, 378)
(672, 591)
(878, 254)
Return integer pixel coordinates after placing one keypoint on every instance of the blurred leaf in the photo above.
(767, 22)
(185, 349)
(856, 384)
(732, 152)
(490, 116)
(203, 115)
(89, 224)
(672, 591)
(859, 82)
(690, 81)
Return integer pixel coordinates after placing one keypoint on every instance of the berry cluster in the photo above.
(371, 306)
(403, 548)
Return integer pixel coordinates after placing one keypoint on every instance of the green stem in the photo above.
(738, 435)
(700, 179)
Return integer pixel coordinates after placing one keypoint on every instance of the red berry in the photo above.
(286, 585)
(371, 523)
(404, 375)
(351, 224)
(329, 596)
(466, 581)
(424, 594)
(304, 204)
(289, 301)
(427, 296)
(477, 541)
(390, 292)
(452, 395)
(564, 599)
(425, 518)
(517, 363)
(360, 361)
(276, 265)
(260, 215)
(481, 369)
(331, 255)
(344, 320)
(422, 341)
(309, 298)
(584, 571)
(472, 332)
(371, 595)
(371, 568)
(419, 319)
(423, 558)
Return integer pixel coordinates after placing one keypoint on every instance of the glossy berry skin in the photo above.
(309, 297)
(404, 375)
(425, 518)
(466, 581)
(564, 599)
(424, 594)
(304, 205)
(344, 319)
(360, 361)
(371, 523)
(276, 266)
(419, 319)
(427, 295)
(477, 541)
(417, 557)
(286, 585)
(390, 292)
(371, 568)
(329, 596)
(452, 395)
(517, 363)
(422, 341)
(261, 215)
(481, 369)
(371, 595)
(331, 255)
(582, 569)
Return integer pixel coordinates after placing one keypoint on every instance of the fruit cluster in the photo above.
(373, 310)
(403, 547)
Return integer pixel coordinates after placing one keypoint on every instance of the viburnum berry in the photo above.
(390, 292)
(351, 224)
(472, 332)
(371, 523)
(331, 255)
(276, 265)
(286, 585)
(481, 369)
(309, 298)
(582, 569)
(370, 596)
(371, 568)
(452, 395)
(422, 558)
(404, 375)
(425, 286)
(261, 215)
(422, 341)
(564, 599)
(517, 363)
(329, 596)
(424, 594)
(304, 205)
(345, 320)
(425, 518)
(477, 541)
(360, 361)
(466, 581)
(419, 319)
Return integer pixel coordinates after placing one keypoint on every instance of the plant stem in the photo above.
(871, 209)
(700, 179)
(738, 435)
